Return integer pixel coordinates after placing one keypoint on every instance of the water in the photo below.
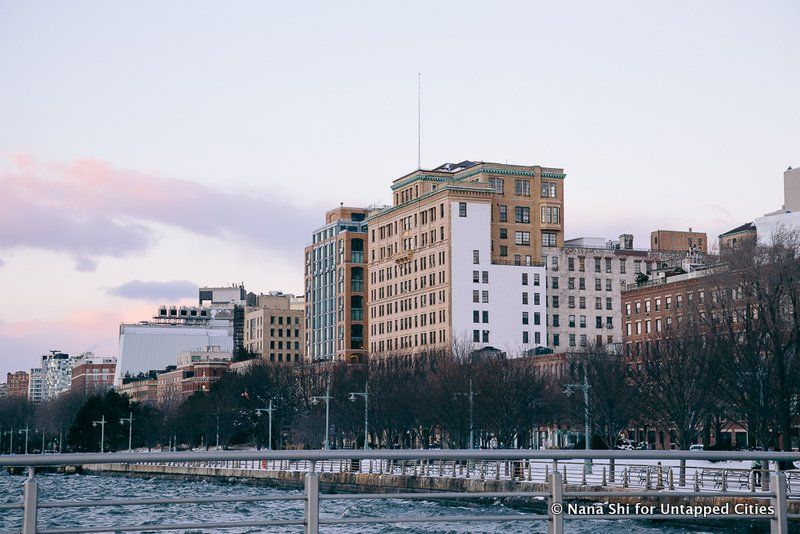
(78, 487)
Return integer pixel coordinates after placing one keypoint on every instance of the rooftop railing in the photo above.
(566, 478)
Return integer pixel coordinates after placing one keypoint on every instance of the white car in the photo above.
(696, 447)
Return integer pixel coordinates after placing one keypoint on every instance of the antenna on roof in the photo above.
(419, 120)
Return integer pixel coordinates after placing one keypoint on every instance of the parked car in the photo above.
(696, 447)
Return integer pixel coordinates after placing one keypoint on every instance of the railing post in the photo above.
(555, 519)
(779, 523)
(312, 503)
(30, 503)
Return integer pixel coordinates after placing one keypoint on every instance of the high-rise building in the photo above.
(155, 344)
(336, 288)
(585, 278)
(17, 384)
(275, 329)
(457, 258)
(92, 374)
(679, 241)
(57, 372)
(36, 385)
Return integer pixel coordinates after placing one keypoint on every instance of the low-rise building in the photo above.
(17, 384)
(92, 374)
(735, 238)
(142, 388)
(788, 217)
(196, 371)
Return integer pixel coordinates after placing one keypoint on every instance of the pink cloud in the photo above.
(90, 210)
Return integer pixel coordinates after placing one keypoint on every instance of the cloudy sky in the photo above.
(147, 148)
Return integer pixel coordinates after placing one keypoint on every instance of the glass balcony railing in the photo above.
(357, 314)
(357, 256)
(357, 285)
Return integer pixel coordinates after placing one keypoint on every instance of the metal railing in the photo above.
(563, 496)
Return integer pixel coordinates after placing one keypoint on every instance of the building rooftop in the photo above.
(746, 227)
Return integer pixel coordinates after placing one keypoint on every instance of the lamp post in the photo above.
(269, 411)
(102, 423)
(470, 395)
(327, 399)
(128, 420)
(587, 465)
(365, 394)
(26, 430)
(11, 440)
(43, 431)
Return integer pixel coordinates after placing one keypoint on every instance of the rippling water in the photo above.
(68, 487)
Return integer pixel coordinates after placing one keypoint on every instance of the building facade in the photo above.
(17, 384)
(196, 371)
(275, 329)
(36, 385)
(142, 388)
(679, 241)
(585, 280)
(336, 288)
(92, 374)
(733, 239)
(57, 374)
(457, 258)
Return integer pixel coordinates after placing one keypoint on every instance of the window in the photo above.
(608, 284)
(554, 284)
(551, 214)
(582, 283)
(462, 209)
(524, 317)
(555, 301)
(522, 238)
(522, 214)
(476, 316)
(503, 213)
(598, 303)
(525, 337)
(598, 322)
(608, 265)
(548, 239)
(503, 233)
(524, 279)
(536, 299)
(597, 265)
(485, 277)
(503, 250)
(572, 321)
(571, 282)
(582, 303)
(476, 336)
(524, 297)
(476, 257)
(485, 316)
(537, 318)
(598, 284)
(556, 340)
(476, 296)
(609, 304)
(485, 297)
(536, 279)
(583, 321)
(476, 276)
(522, 187)
(555, 320)
(548, 190)
(497, 184)
(622, 266)
(485, 336)
(572, 340)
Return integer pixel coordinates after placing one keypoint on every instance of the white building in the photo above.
(154, 345)
(36, 385)
(493, 305)
(786, 218)
(57, 374)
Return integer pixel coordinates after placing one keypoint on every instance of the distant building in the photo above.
(92, 374)
(786, 218)
(679, 241)
(196, 371)
(275, 329)
(17, 384)
(733, 239)
(336, 288)
(57, 374)
(156, 344)
(36, 385)
(3, 389)
(229, 302)
(142, 388)
(457, 258)
(584, 280)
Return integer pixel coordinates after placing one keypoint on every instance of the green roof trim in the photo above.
(449, 187)
(422, 178)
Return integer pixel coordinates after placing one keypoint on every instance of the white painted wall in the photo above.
(769, 225)
(505, 288)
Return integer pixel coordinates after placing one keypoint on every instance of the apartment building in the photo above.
(275, 329)
(585, 279)
(141, 388)
(92, 374)
(336, 288)
(196, 371)
(36, 385)
(17, 384)
(679, 241)
(57, 374)
(733, 239)
(457, 258)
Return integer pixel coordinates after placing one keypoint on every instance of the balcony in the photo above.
(357, 256)
(357, 314)
(357, 285)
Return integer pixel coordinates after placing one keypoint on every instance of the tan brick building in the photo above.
(678, 241)
(142, 388)
(275, 328)
(196, 371)
(18, 384)
(457, 257)
(336, 288)
(733, 239)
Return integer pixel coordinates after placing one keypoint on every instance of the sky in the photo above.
(147, 148)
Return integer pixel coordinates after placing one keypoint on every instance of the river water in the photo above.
(77, 487)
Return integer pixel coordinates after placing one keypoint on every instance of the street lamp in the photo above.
(471, 394)
(587, 466)
(129, 420)
(327, 399)
(11, 440)
(26, 430)
(102, 423)
(269, 410)
(43, 431)
(365, 394)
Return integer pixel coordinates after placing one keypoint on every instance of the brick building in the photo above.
(679, 241)
(196, 371)
(275, 329)
(17, 384)
(92, 374)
